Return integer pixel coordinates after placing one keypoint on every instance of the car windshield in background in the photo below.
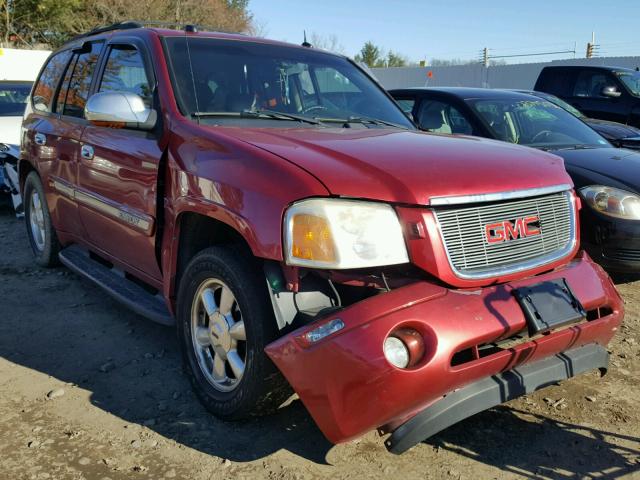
(631, 81)
(535, 123)
(13, 98)
(238, 82)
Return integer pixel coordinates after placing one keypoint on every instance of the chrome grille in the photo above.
(472, 256)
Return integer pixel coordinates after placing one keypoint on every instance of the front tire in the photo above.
(225, 320)
(42, 236)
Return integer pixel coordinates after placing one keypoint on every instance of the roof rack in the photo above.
(130, 24)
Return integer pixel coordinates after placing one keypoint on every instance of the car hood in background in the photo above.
(612, 130)
(406, 166)
(619, 164)
(10, 130)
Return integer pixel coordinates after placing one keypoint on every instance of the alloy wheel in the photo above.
(218, 335)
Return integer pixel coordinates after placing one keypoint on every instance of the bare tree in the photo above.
(52, 22)
(326, 42)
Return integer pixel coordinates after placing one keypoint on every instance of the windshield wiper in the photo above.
(578, 147)
(269, 114)
(363, 120)
(280, 115)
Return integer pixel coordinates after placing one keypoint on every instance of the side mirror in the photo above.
(611, 92)
(119, 110)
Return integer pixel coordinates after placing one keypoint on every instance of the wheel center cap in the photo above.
(219, 332)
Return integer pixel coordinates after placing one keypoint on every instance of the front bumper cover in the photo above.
(349, 388)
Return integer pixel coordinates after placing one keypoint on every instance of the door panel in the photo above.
(117, 191)
(586, 96)
(118, 172)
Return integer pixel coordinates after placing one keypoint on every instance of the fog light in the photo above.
(396, 352)
(404, 348)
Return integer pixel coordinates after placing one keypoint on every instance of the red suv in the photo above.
(274, 203)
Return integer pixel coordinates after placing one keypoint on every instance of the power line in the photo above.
(532, 54)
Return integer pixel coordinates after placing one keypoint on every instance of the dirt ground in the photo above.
(121, 408)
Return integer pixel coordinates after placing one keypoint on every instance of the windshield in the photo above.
(561, 103)
(13, 98)
(535, 123)
(631, 80)
(235, 82)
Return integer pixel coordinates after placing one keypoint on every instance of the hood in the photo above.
(407, 166)
(10, 130)
(612, 130)
(618, 164)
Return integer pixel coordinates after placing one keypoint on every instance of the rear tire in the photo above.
(42, 236)
(225, 320)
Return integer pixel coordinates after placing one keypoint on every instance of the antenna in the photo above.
(305, 43)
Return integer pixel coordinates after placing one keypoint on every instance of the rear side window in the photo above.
(77, 91)
(553, 81)
(45, 88)
(125, 72)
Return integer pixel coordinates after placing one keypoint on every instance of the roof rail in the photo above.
(115, 26)
(129, 24)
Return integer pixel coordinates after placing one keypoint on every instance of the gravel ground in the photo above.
(89, 390)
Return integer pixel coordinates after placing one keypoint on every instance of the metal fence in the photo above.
(477, 75)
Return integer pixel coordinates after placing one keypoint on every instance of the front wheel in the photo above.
(225, 320)
(42, 236)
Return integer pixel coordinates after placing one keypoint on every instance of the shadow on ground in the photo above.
(54, 322)
(535, 446)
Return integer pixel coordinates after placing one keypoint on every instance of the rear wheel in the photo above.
(42, 236)
(225, 320)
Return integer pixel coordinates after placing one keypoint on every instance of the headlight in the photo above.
(612, 201)
(334, 233)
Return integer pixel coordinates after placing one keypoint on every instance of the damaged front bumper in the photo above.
(349, 387)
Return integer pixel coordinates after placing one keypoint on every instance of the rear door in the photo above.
(39, 128)
(118, 169)
(68, 125)
(586, 95)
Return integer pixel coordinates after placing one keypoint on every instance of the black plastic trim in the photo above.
(492, 391)
(125, 291)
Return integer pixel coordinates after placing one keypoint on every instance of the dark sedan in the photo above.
(607, 178)
(618, 134)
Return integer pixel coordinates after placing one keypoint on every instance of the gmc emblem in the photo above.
(512, 229)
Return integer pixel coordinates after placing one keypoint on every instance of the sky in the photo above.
(427, 29)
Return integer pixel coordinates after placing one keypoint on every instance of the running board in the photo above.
(115, 284)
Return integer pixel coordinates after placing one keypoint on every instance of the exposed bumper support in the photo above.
(492, 391)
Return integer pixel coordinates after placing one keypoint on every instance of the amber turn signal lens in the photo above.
(312, 239)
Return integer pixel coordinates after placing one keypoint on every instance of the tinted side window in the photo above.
(591, 82)
(78, 90)
(554, 82)
(64, 87)
(125, 72)
(45, 88)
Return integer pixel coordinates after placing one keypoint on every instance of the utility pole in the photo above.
(485, 57)
(591, 46)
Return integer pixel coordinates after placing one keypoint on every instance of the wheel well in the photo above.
(198, 232)
(24, 168)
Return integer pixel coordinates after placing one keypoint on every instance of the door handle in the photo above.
(86, 152)
(40, 139)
